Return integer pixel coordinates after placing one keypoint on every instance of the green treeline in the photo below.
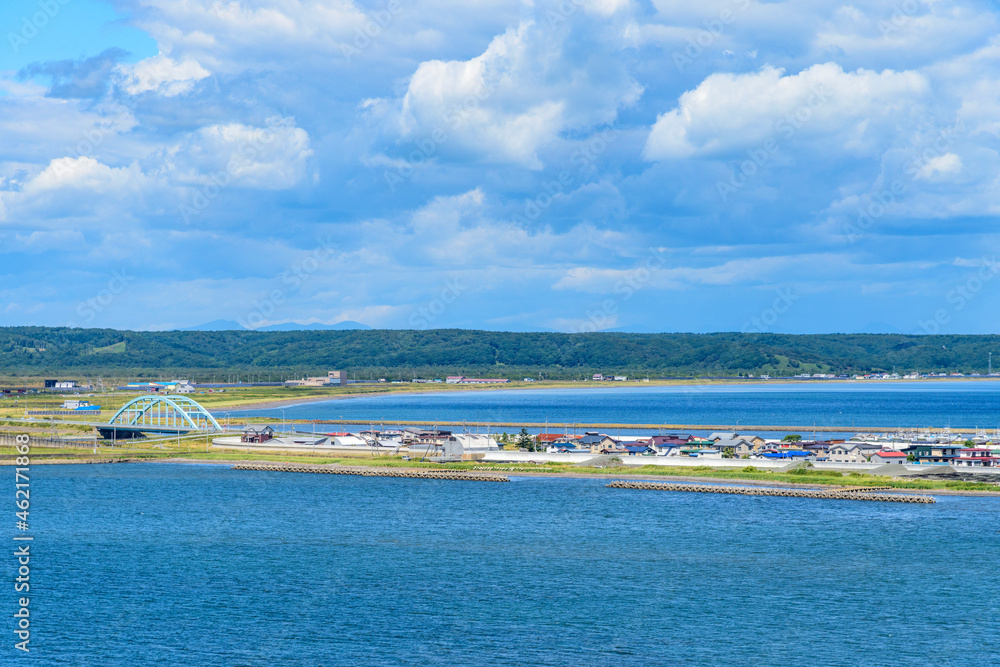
(35, 351)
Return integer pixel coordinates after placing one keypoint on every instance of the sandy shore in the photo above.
(281, 403)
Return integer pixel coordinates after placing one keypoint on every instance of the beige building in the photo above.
(332, 379)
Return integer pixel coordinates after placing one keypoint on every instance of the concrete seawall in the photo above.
(837, 494)
(374, 472)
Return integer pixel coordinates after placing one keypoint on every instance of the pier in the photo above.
(374, 472)
(862, 493)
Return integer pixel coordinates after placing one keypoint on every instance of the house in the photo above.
(936, 454)
(257, 435)
(677, 440)
(722, 436)
(598, 377)
(669, 445)
(740, 446)
(979, 457)
(424, 436)
(709, 454)
(886, 456)
(853, 452)
(549, 438)
(640, 450)
(597, 442)
(562, 448)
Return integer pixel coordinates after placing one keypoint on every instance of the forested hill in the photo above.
(34, 351)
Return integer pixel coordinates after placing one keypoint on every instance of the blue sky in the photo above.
(580, 165)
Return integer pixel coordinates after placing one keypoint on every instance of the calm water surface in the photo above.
(182, 564)
(916, 404)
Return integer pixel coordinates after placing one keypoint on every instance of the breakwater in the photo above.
(863, 493)
(374, 472)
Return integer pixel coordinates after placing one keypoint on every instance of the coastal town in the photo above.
(974, 450)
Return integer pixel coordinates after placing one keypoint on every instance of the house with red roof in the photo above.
(888, 457)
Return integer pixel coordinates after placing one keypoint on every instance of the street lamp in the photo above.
(282, 419)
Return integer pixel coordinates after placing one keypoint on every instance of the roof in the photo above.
(550, 437)
(592, 439)
(722, 436)
(890, 455)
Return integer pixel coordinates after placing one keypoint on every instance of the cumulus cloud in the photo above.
(273, 157)
(85, 173)
(160, 74)
(515, 98)
(728, 112)
(97, 154)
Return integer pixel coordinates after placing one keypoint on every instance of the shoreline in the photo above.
(431, 388)
(533, 474)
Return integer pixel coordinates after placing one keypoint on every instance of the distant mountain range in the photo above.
(230, 325)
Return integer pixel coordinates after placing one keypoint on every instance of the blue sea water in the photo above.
(187, 564)
(913, 404)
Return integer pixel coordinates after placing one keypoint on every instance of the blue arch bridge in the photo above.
(166, 415)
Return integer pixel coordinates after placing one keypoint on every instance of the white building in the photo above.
(469, 446)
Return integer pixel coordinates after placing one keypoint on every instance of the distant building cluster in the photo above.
(424, 443)
(168, 387)
(975, 451)
(331, 379)
(461, 379)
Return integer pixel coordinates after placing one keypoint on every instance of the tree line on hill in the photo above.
(36, 351)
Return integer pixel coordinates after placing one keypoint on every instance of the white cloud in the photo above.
(942, 165)
(518, 96)
(160, 74)
(86, 173)
(271, 158)
(229, 35)
(729, 112)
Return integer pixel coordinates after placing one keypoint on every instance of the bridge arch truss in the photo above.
(166, 412)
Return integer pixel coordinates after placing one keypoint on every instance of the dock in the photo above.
(362, 471)
(861, 493)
